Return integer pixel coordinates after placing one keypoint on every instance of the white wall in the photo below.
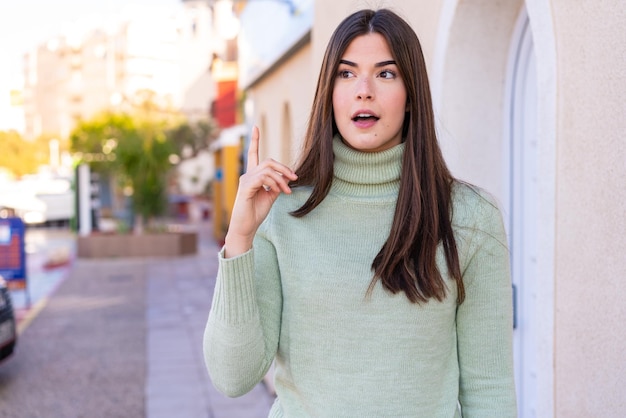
(590, 269)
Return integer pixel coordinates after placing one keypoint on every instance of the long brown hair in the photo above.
(407, 261)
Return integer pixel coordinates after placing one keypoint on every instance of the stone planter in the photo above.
(163, 244)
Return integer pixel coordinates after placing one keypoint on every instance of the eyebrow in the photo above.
(378, 64)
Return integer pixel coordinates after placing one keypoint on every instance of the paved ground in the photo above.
(123, 338)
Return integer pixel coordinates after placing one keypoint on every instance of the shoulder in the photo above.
(469, 201)
(476, 209)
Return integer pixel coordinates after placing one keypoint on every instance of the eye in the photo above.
(345, 74)
(387, 74)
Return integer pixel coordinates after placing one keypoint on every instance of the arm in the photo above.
(241, 336)
(485, 323)
(242, 331)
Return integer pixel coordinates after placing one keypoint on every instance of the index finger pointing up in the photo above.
(253, 150)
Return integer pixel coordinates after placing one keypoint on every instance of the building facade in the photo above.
(529, 105)
(165, 53)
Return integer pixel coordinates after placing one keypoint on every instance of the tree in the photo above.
(191, 138)
(136, 150)
(19, 156)
(94, 141)
(144, 157)
(140, 149)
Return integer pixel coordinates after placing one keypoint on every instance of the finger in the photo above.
(253, 150)
(279, 168)
(276, 182)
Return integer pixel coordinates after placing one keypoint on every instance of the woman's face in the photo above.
(369, 97)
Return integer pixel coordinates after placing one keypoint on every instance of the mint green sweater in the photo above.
(299, 297)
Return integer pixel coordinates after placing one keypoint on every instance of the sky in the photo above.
(24, 24)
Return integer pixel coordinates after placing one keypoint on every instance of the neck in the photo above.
(366, 175)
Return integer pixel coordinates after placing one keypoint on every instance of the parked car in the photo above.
(8, 328)
(38, 201)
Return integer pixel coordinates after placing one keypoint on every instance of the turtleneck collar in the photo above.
(366, 174)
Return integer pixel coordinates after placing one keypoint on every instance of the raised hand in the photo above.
(258, 189)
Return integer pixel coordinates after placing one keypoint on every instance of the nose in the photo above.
(364, 89)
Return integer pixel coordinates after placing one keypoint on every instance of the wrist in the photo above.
(236, 245)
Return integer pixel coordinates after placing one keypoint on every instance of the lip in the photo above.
(364, 112)
(364, 123)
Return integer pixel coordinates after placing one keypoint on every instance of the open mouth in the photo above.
(363, 117)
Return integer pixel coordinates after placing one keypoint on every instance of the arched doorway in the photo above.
(494, 96)
(529, 129)
(522, 214)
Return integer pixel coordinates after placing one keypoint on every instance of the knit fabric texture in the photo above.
(298, 298)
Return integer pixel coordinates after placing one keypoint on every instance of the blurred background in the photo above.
(156, 100)
(85, 82)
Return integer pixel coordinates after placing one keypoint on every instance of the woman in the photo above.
(377, 282)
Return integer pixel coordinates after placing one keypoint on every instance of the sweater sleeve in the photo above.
(242, 331)
(485, 322)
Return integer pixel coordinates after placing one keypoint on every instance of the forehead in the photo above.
(366, 48)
